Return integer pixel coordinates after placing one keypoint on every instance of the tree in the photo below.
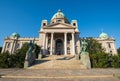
(4, 60)
(0, 49)
(100, 59)
(20, 55)
(37, 50)
(93, 46)
(97, 55)
(18, 58)
(118, 50)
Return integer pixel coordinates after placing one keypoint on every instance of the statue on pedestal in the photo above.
(31, 48)
(84, 55)
(30, 55)
(84, 45)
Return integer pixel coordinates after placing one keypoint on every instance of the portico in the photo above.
(60, 36)
(59, 43)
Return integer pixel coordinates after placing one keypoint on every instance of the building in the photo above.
(57, 37)
(108, 43)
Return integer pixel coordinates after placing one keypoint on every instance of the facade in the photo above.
(108, 43)
(59, 37)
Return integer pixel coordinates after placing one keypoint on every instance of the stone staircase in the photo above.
(59, 68)
(58, 62)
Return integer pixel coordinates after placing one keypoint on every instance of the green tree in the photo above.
(20, 55)
(118, 50)
(0, 49)
(4, 60)
(37, 50)
(98, 57)
(18, 58)
(116, 61)
(93, 46)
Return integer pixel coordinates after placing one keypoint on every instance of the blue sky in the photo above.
(93, 16)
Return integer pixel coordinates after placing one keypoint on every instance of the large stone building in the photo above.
(57, 37)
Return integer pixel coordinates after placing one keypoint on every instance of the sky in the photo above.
(93, 16)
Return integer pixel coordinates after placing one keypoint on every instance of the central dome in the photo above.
(59, 17)
(59, 14)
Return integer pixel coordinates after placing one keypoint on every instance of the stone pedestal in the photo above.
(77, 56)
(40, 56)
(85, 59)
(29, 60)
(26, 64)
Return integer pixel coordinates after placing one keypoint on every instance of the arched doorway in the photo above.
(59, 47)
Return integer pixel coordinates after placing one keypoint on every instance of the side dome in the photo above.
(103, 36)
(15, 35)
(59, 17)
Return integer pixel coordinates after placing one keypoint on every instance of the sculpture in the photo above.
(30, 55)
(84, 55)
(31, 48)
(84, 45)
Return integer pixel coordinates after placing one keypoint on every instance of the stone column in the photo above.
(12, 47)
(44, 41)
(4, 47)
(73, 44)
(65, 43)
(46, 47)
(51, 47)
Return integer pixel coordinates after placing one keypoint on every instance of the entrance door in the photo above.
(59, 47)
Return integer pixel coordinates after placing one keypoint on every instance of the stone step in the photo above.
(62, 75)
(58, 62)
(68, 78)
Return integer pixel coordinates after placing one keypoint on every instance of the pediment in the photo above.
(59, 25)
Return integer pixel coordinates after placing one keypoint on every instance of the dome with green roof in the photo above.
(15, 35)
(103, 36)
(59, 16)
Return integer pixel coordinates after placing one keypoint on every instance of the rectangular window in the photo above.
(74, 24)
(44, 24)
(109, 45)
(8, 46)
